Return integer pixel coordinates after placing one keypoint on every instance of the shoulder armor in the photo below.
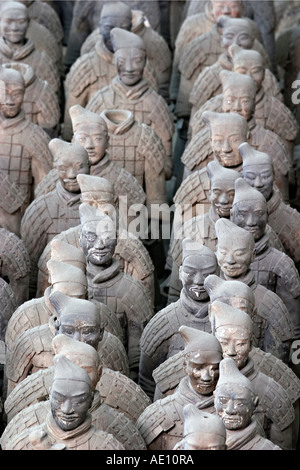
(8, 305)
(277, 370)
(275, 401)
(284, 267)
(280, 119)
(113, 354)
(14, 258)
(163, 116)
(13, 196)
(199, 150)
(193, 56)
(122, 393)
(271, 85)
(151, 147)
(81, 74)
(206, 85)
(89, 43)
(127, 185)
(47, 184)
(168, 374)
(213, 104)
(131, 249)
(48, 106)
(140, 310)
(194, 188)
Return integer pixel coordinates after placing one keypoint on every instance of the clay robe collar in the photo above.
(17, 54)
(190, 396)
(102, 51)
(237, 439)
(134, 92)
(59, 434)
(68, 198)
(106, 274)
(119, 128)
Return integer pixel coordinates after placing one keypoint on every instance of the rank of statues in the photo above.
(97, 107)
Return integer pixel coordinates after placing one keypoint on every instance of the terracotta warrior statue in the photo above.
(104, 417)
(129, 90)
(267, 106)
(201, 431)
(133, 256)
(235, 403)
(136, 147)
(205, 50)
(64, 277)
(235, 254)
(96, 68)
(57, 210)
(85, 19)
(239, 94)
(158, 51)
(68, 421)
(8, 306)
(25, 156)
(15, 47)
(202, 355)
(233, 329)
(160, 338)
(201, 227)
(258, 172)
(78, 318)
(108, 284)
(236, 59)
(272, 268)
(117, 391)
(14, 264)
(40, 103)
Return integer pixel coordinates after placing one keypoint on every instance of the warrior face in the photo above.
(13, 24)
(235, 405)
(235, 342)
(238, 100)
(251, 216)
(260, 177)
(250, 66)
(84, 327)
(203, 372)
(130, 63)
(237, 32)
(70, 401)
(221, 196)
(225, 142)
(234, 255)
(11, 97)
(69, 167)
(229, 8)
(93, 138)
(193, 272)
(98, 242)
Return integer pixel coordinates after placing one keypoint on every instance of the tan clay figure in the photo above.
(160, 338)
(205, 50)
(14, 264)
(8, 306)
(202, 355)
(158, 52)
(129, 90)
(108, 284)
(57, 210)
(201, 430)
(235, 59)
(133, 256)
(235, 403)
(78, 318)
(16, 48)
(95, 69)
(25, 156)
(235, 254)
(272, 268)
(233, 329)
(69, 422)
(40, 103)
(258, 172)
(136, 147)
(239, 92)
(104, 417)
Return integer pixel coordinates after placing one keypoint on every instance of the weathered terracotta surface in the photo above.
(201, 431)
(95, 69)
(108, 284)
(68, 379)
(160, 338)
(23, 49)
(242, 432)
(57, 210)
(104, 417)
(133, 93)
(258, 172)
(83, 318)
(202, 355)
(25, 156)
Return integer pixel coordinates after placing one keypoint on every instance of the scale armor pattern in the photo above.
(112, 354)
(198, 152)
